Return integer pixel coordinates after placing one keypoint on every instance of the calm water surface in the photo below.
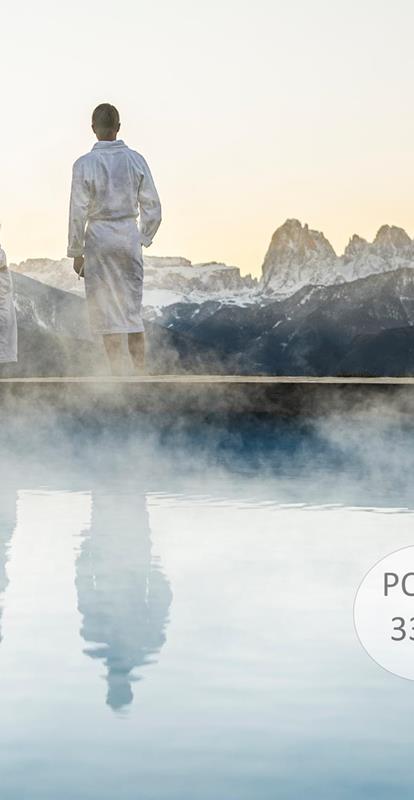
(187, 634)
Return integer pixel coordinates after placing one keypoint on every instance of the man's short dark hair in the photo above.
(105, 118)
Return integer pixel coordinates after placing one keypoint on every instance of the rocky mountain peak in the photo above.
(297, 255)
(355, 247)
(392, 237)
(293, 237)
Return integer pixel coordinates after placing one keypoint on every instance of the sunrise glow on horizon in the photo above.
(248, 114)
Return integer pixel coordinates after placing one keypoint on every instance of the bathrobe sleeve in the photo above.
(78, 213)
(149, 206)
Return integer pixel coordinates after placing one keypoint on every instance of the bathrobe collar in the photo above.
(112, 145)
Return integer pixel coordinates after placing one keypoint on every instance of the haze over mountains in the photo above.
(312, 312)
(297, 256)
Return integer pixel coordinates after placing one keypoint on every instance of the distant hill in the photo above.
(54, 336)
(319, 330)
(312, 313)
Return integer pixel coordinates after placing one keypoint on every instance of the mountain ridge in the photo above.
(297, 256)
(361, 327)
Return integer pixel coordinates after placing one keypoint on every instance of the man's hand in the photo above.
(78, 265)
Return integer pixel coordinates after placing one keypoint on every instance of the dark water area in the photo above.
(360, 458)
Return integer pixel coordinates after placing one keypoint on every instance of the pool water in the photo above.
(173, 633)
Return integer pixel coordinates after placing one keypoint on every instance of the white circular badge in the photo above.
(384, 613)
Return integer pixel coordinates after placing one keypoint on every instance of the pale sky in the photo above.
(247, 112)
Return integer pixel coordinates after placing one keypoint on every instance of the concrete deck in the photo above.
(207, 394)
(214, 379)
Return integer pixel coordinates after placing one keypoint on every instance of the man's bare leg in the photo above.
(136, 347)
(113, 347)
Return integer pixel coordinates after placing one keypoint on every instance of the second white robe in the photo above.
(8, 322)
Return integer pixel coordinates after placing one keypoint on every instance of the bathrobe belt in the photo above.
(112, 218)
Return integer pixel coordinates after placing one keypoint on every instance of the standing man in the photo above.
(111, 186)
(8, 323)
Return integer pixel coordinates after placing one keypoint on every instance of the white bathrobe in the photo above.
(111, 187)
(8, 323)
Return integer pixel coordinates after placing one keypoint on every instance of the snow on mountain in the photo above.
(298, 256)
(391, 249)
(168, 280)
(170, 283)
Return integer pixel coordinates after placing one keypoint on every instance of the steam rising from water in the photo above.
(177, 592)
(345, 455)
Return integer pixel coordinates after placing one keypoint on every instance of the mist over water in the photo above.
(176, 606)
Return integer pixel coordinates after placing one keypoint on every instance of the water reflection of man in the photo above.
(122, 594)
(8, 501)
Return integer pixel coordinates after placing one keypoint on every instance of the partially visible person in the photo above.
(8, 322)
(111, 187)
